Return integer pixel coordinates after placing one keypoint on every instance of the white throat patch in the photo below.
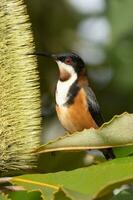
(64, 86)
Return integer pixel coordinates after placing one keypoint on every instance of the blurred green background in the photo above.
(101, 32)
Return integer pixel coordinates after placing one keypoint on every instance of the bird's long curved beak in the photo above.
(45, 54)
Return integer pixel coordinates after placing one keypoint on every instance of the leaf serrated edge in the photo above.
(68, 194)
(39, 151)
(113, 119)
(61, 189)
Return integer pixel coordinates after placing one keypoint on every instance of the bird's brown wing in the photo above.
(93, 106)
(94, 109)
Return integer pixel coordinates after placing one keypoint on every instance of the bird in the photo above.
(76, 104)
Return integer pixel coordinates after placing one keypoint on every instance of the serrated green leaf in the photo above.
(96, 181)
(32, 184)
(57, 192)
(117, 132)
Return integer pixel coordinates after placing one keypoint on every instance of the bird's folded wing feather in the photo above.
(93, 106)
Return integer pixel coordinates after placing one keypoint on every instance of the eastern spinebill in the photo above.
(76, 104)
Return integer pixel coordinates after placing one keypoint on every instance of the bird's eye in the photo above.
(68, 61)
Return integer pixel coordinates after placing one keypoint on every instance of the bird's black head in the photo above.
(70, 64)
(70, 59)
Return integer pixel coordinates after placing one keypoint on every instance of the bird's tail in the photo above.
(108, 153)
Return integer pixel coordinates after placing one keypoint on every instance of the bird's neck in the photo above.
(68, 89)
(63, 88)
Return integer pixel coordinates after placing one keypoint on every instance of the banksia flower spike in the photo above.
(19, 90)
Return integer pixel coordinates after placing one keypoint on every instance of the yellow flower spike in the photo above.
(19, 90)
